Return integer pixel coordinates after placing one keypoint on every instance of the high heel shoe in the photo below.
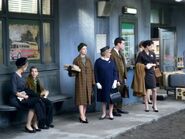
(29, 131)
(155, 110)
(102, 117)
(147, 110)
(82, 121)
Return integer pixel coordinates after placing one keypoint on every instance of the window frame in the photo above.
(5, 16)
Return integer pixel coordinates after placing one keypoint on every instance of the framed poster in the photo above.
(128, 30)
(24, 39)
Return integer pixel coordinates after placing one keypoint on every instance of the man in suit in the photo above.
(119, 60)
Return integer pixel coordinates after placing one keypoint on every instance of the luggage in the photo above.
(176, 80)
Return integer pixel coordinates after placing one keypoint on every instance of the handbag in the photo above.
(124, 90)
(115, 96)
(157, 73)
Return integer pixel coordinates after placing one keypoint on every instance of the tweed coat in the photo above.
(84, 81)
(120, 65)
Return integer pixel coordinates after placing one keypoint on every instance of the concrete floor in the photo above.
(67, 126)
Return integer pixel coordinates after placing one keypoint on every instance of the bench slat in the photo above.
(58, 98)
(7, 108)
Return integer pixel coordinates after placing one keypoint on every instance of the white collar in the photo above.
(117, 51)
(106, 59)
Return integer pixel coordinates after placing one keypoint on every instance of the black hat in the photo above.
(81, 45)
(104, 49)
(21, 61)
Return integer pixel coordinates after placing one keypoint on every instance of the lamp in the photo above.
(129, 10)
(178, 0)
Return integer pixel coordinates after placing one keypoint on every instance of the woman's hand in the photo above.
(98, 85)
(114, 85)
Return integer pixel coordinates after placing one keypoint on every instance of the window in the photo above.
(24, 39)
(154, 17)
(0, 5)
(23, 6)
(46, 7)
(47, 43)
(27, 30)
(1, 46)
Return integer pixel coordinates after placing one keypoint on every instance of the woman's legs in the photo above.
(154, 98)
(82, 110)
(103, 109)
(85, 109)
(29, 119)
(35, 122)
(111, 106)
(148, 96)
(146, 100)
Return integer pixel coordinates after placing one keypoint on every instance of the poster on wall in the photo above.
(127, 32)
(23, 39)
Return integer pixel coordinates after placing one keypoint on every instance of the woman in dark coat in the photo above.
(84, 81)
(23, 98)
(34, 84)
(148, 58)
(106, 79)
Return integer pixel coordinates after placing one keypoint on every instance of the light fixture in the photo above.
(129, 10)
(178, 0)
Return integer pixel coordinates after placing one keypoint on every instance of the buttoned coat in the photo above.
(120, 65)
(84, 81)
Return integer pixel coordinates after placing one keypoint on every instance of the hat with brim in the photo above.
(104, 49)
(21, 61)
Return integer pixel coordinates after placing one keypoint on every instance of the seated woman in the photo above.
(25, 99)
(33, 83)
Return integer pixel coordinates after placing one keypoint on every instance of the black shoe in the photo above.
(149, 102)
(111, 118)
(82, 121)
(122, 111)
(102, 118)
(147, 110)
(36, 129)
(155, 110)
(44, 127)
(116, 114)
(52, 126)
(29, 131)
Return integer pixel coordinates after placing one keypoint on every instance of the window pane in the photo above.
(46, 7)
(24, 40)
(47, 43)
(0, 5)
(23, 6)
(1, 46)
(154, 17)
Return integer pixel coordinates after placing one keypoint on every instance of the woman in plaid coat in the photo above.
(84, 81)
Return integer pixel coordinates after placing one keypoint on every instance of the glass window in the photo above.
(47, 43)
(1, 46)
(0, 5)
(154, 17)
(128, 33)
(24, 39)
(23, 6)
(46, 7)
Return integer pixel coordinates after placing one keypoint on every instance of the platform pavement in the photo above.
(67, 126)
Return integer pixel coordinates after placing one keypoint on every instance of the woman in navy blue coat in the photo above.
(106, 79)
(148, 58)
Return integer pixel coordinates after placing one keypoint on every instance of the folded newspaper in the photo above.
(74, 67)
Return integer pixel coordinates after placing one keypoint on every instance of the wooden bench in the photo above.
(53, 99)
